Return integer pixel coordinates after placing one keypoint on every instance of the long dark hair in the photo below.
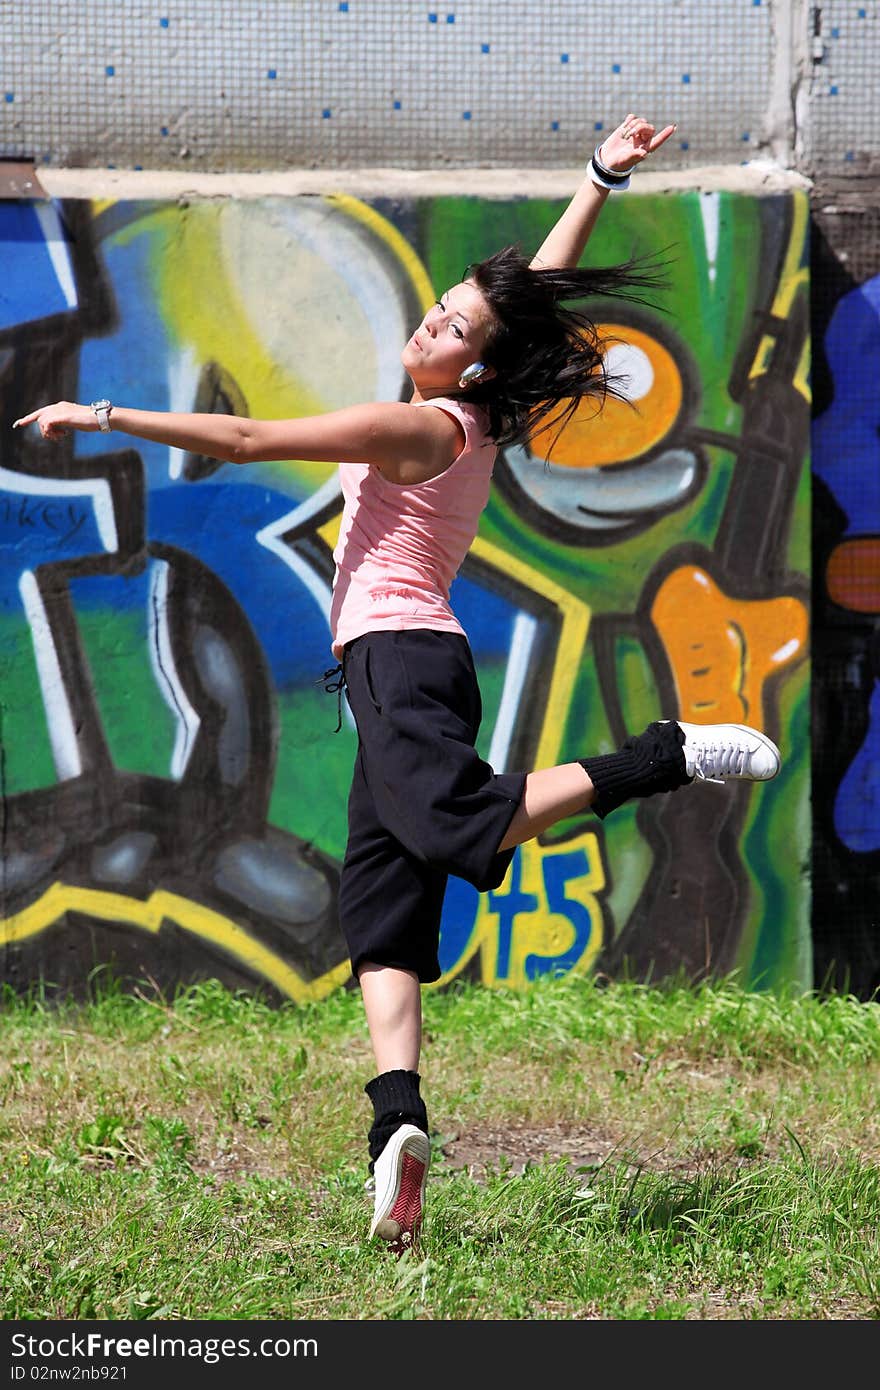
(547, 357)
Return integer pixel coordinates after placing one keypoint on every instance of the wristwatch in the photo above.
(102, 410)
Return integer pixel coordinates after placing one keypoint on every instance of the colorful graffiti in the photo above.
(173, 786)
(846, 696)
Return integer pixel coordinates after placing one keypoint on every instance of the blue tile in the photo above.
(10, 96)
(163, 23)
(343, 6)
(863, 14)
(597, 125)
(432, 19)
(272, 74)
(686, 78)
(563, 57)
(835, 33)
(164, 130)
(745, 135)
(684, 145)
(615, 67)
(465, 115)
(554, 125)
(484, 48)
(450, 19)
(397, 106)
(326, 113)
(849, 156)
(110, 71)
(832, 91)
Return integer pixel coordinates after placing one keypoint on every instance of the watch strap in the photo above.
(102, 411)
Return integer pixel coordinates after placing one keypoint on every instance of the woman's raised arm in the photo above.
(624, 149)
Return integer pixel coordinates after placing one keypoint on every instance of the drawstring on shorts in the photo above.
(333, 681)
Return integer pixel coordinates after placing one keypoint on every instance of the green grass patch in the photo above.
(624, 1152)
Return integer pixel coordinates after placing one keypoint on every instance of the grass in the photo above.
(616, 1152)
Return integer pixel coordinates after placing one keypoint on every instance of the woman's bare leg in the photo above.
(393, 1005)
(550, 795)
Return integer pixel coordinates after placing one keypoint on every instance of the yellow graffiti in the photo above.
(120, 910)
(721, 650)
(792, 278)
(572, 639)
(396, 243)
(544, 922)
(550, 933)
(220, 271)
(623, 430)
(204, 308)
(329, 531)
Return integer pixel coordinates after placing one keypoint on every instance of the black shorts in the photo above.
(423, 803)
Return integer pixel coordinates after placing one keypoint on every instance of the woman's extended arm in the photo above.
(406, 443)
(632, 141)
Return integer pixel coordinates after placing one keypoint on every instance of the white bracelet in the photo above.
(605, 177)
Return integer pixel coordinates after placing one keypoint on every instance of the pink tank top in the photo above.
(400, 548)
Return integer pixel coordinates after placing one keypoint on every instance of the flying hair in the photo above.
(549, 356)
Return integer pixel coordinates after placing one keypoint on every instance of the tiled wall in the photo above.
(253, 84)
(842, 133)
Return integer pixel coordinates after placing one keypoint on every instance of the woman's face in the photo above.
(450, 337)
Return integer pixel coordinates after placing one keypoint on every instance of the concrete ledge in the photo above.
(756, 177)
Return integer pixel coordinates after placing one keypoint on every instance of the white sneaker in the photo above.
(722, 752)
(400, 1172)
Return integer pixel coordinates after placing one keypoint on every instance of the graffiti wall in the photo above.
(174, 780)
(846, 689)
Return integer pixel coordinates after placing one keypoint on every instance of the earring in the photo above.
(471, 374)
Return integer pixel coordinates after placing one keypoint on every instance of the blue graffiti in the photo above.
(846, 455)
(42, 283)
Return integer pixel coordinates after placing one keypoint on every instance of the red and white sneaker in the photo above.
(400, 1173)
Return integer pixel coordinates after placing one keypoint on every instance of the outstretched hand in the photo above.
(632, 141)
(55, 421)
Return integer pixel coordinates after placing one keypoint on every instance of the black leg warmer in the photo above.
(647, 763)
(396, 1102)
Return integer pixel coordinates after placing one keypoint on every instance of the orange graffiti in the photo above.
(853, 575)
(723, 650)
(625, 429)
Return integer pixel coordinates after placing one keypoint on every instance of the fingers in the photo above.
(642, 137)
(26, 420)
(49, 428)
(638, 129)
(635, 125)
(661, 139)
(45, 426)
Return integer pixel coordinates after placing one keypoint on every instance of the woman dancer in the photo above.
(496, 358)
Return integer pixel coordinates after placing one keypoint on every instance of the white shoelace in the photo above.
(713, 762)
